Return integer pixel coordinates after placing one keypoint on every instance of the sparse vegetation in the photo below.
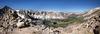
(65, 22)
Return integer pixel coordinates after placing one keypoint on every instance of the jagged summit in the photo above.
(6, 8)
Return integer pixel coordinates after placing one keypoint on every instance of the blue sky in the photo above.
(52, 5)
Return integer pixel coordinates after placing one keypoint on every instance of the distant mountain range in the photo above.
(40, 14)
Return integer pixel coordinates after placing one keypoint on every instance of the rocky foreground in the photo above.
(26, 22)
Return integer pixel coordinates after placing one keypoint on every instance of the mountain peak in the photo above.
(6, 7)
